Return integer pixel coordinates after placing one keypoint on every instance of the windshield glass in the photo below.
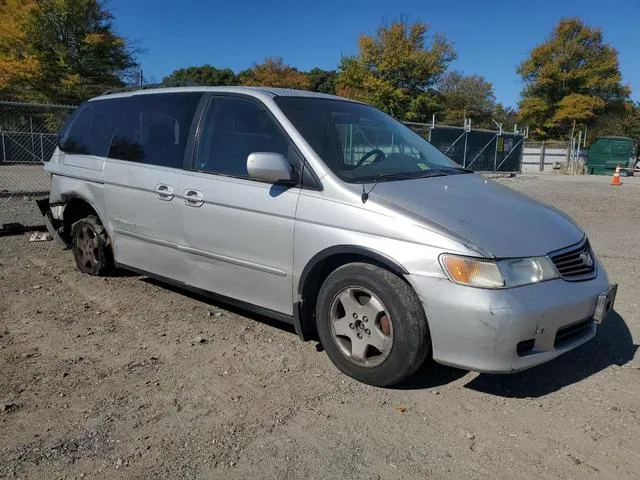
(360, 143)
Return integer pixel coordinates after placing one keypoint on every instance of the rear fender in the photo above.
(53, 225)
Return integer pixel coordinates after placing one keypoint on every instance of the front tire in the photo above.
(372, 324)
(90, 246)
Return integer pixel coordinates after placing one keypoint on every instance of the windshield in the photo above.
(360, 143)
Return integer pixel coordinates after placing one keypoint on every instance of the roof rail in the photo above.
(134, 88)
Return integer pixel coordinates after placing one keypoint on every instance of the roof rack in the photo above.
(134, 88)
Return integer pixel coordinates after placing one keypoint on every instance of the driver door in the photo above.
(240, 231)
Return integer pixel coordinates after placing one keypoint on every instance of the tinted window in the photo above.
(90, 129)
(235, 127)
(154, 128)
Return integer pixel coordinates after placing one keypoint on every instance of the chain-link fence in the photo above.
(28, 137)
(479, 150)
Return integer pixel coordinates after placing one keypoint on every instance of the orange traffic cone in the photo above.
(615, 181)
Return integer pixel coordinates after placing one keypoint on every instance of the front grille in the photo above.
(575, 264)
(571, 332)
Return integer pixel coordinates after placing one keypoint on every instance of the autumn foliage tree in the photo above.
(467, 96)
(574, 76)
(273, 72)
(61, 50)
(396, 70)
(18, 64)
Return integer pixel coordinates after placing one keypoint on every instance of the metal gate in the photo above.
(479, 150)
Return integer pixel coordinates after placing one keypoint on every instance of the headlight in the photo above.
(524, 271)
(485, 273)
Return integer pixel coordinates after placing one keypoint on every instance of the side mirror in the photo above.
(269, 167)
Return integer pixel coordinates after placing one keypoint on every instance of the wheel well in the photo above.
(74, 210)
(316, 276)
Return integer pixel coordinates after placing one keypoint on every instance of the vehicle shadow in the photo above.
(613, 345)
(121, 273)
(431, 375)
(221, 304)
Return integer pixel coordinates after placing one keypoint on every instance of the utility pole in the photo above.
(573, 129)
(141, 77)
(584, 139)
(575, 164)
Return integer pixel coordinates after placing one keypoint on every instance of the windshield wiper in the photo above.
(384, 176)
(381, 177)
(459, 170)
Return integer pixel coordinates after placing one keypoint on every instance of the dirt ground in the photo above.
(122, 377)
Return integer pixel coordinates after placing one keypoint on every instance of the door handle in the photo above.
(193, 198)
(164, 192)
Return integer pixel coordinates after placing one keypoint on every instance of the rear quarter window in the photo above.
(154, 128)
(91, 128)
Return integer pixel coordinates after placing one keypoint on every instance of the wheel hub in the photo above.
(361, 327)
(87, 246)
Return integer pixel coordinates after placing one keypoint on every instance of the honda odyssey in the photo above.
(330, 215)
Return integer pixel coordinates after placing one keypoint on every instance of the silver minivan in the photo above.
(330, 215)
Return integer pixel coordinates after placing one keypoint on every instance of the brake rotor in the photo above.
(385, 324)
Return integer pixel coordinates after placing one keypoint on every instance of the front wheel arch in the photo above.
(319, 267)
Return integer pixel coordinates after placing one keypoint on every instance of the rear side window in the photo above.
(90, 129)
(154, 128)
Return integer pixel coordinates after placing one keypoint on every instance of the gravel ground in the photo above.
(122, 377)
(19, 184)
(21, 210)
(20, 177)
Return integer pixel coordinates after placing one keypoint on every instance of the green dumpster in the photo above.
(607, 153)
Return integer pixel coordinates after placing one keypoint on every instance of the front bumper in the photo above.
(504, 331)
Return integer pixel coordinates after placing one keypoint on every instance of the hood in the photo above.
(501, 221)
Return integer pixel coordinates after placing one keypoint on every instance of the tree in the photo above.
(273, 72)
(396, 70)
(244, 76)
(572, 77)
(467, 97)
(203, 75)
(322, 81)
(507, 116)
(18, 65)
(631, 122)
(63, 50)
(623, 121)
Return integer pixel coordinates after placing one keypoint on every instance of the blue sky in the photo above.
(491, 37)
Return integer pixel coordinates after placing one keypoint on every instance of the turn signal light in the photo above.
(472, 272)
